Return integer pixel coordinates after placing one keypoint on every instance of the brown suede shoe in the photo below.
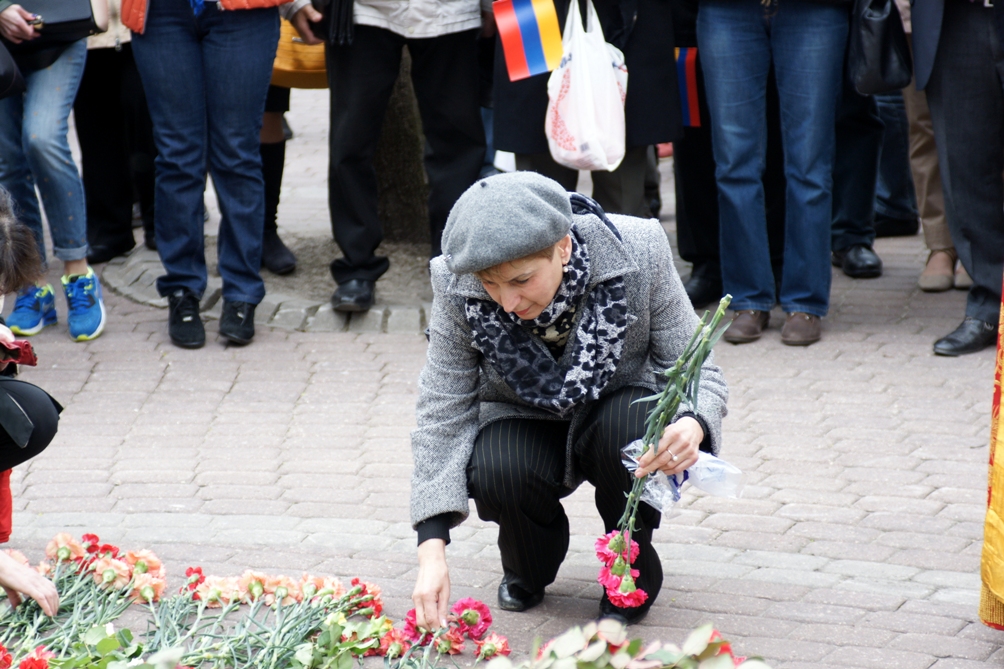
(801, 329)
(746, 326)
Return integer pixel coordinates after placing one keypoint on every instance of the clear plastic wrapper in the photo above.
(710, 474)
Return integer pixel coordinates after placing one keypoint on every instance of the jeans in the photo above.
(206, 78)
(894, 195)
(739, 39)
(34, 151)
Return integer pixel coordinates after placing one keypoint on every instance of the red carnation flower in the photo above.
(610, 546)
(394, 644)
(450, 643)
(492, 645)
(473, 616)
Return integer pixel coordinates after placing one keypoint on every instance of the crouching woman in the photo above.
(550, 322)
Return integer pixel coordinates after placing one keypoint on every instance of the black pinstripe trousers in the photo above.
(515, 477)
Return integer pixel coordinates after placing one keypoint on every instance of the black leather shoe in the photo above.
(237, 322)
(184, 325)
(275, 255)
(971, 336)
(100, 253)
(858, 262)
(354, 295)
(703, 290)
(514, 598)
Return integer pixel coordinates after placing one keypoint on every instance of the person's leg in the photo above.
(895, 202)
(774, 185)
(808, 42)
(445, 73)
(859, 132)
(238, 51)
(515, 478)
(616, 421)
(41, 410)
(48, 103)
(275, 256)
(101, 130)
(735, 50)
(169, 58)
(361, 77)
(47, 106)
(623, 190)
(967, 107)
(139, 144)
(939, 271)
(543, 163)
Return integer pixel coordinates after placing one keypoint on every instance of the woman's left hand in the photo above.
(677, 449)
(6, 336)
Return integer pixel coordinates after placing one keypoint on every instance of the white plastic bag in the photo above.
(585, 109)
(710, 474)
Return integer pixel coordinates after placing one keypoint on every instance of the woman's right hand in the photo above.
(432, 589)
(18, 579)
(14, 24)
(302, 20)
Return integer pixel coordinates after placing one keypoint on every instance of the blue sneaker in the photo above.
(35, 308)
(87, 310)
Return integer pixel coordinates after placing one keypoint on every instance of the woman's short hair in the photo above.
(547, 253)
(20, 262)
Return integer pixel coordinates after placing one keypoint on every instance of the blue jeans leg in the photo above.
(808, 41)
(894, 194)
(206, 79)
(734, 43)
(34, 151)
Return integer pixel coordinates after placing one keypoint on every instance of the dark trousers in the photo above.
(116, 146)
(515, 477)
(41, 410)
(697, 191)
(855, 170)
(444, 71)
(619, 192)
(966, 97)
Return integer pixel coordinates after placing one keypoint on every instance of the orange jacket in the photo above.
(134, 11)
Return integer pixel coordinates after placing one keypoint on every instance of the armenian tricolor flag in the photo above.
(531, 38)
(686, 74)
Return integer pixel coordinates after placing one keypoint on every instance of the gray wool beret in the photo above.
(505, 217)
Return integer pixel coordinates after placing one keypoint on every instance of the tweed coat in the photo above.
(460, 393)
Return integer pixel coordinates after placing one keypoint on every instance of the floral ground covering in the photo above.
(276, 622)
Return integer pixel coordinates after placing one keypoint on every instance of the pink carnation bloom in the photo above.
(606, 555)
(17, 556)
(148, 587)
(473, 616)
(413, 632)
(216, 591)
(282, 589)
(394, 644)
(112, 573)
(145, 562)
(612, 581)
(627, 595)
(450, 643)
(492, 646)
(64, 547)
(251, 585)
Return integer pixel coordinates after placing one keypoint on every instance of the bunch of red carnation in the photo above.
(617, 551)
(469, 618)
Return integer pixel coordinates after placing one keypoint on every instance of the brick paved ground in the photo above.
(856, 545)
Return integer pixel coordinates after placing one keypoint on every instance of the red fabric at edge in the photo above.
(6, 507)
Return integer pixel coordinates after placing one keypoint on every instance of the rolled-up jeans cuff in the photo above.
(69, 255)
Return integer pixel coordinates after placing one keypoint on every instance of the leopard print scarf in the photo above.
(524, 360)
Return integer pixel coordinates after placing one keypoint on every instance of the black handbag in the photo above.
(11, 81)
(338, 25)
(878, 57)
(66, 21)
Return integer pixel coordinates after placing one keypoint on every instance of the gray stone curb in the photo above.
(134, 276)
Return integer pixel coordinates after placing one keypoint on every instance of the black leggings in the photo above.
(43, 412)
(516, 477)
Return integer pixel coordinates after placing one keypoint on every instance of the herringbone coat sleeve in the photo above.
(447, 410)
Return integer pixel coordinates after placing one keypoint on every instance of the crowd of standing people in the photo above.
(782, 169)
